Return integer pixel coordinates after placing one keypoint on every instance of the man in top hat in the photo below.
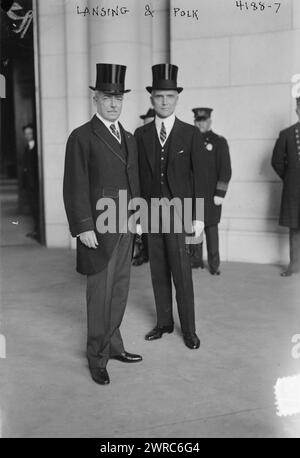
(141, 252)
(171, 166)
(101, 160)
(286, 163)
(218, 165)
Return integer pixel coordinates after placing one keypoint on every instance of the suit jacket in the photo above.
(286, 163)
(186, 173)
(219, 174)
(94, 168)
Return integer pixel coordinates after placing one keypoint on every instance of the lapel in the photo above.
(101, 131)
(129, 144)
(149, 143)
(176, 140)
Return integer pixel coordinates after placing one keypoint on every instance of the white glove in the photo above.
(198, 227)
(139, 229)
(218, 200)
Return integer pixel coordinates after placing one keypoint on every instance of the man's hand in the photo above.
(218, 200)
(198, 227)
(89, 239)
(139, 229)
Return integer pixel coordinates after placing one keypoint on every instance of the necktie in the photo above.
(115, 132)
(163, 133)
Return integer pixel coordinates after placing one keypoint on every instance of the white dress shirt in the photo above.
(108, 124)
(31, 144)
(168, 122)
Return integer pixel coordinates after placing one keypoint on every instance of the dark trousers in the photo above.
(169, 259)
(107, 293)
(212, 243)
(295, 250)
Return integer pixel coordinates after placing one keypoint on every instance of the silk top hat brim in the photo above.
(161, 88)
(110, 90)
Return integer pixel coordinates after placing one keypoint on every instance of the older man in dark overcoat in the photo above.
(101, 160)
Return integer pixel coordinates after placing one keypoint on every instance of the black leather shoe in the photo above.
(215, 272)
(140, 260)
(286, 273)
(126, 357)
(157, 332)
(100, 375)
(192, 341)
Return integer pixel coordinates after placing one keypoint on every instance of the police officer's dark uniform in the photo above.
(218, 165)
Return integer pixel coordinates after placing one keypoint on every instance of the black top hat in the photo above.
(164, 77)
(202, 113)
(150, 114)
(110, 79)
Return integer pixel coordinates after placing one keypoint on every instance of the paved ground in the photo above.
(246, 319)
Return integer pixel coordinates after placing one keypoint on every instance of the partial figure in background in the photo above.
(286, 163)
(141, 254)
(218, 166)
(30, 179)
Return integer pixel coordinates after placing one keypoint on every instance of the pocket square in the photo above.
(180, 152)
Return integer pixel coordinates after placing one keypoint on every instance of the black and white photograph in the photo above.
(150, 222)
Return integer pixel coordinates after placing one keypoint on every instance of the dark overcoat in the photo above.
(218, 163)
(186, 172)
(286, 163)
(94, 168)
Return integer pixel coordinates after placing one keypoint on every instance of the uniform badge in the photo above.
(209, 147)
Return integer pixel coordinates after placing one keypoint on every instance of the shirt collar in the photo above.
(108, 123)
(168, 122)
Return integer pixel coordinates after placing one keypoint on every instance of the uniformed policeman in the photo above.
(219, 174)
(286, 163)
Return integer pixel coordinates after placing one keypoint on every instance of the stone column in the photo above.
(124, 39)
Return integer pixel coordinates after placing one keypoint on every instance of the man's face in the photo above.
(108, 106)
(28, 134)
(204, 125)
(164, 102)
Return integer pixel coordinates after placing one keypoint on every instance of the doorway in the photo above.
(21, 184)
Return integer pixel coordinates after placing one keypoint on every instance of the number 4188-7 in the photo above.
(257, 6)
